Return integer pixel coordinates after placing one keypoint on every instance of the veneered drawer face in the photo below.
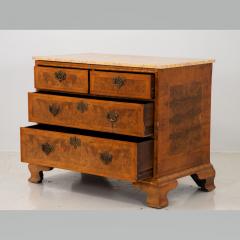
(129, 85)
(61, 79)
(88, 154)
(134, 119)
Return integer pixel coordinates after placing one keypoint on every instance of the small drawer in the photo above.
(134, 119)
(127, 158)
(117, 84)
(61, 79)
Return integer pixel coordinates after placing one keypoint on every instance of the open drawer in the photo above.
(119, 157)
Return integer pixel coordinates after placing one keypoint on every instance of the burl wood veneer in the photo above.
(141, 119)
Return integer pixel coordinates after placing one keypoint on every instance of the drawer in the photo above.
(130, 85)
(127, 159)
(134, 119)
(61, 79)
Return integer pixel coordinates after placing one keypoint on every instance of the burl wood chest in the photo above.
(141, 119)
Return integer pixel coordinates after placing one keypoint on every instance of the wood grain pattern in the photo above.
(87, 154)
(182, 118)
(119, 84)
(100, 115)
(76, 80)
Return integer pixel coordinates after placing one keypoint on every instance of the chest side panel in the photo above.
(183, 105)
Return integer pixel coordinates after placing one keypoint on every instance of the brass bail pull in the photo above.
(118, 81)
(60, 76)
(112, 116)
(106, 157)
(47, 148)
(54, 109)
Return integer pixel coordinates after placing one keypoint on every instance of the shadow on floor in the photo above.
(96, 186)
(118, 191)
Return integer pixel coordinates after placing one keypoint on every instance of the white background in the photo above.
(16, 70)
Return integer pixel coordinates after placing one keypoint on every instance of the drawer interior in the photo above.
(87, 96)
(89, 133)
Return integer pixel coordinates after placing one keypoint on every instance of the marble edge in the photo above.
(152, 66)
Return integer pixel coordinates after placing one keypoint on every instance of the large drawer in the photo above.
(61, 79)
(127, 159)
(118, 84)
(134, 119)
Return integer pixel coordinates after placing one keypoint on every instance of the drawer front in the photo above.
(87, 154)
(117, 84)
(61, 79)
(132, 119)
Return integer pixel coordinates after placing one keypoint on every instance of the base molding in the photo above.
(158, 188)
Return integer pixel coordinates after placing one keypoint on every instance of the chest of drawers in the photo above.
(141, 119)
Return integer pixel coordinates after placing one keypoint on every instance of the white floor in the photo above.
(65, 190)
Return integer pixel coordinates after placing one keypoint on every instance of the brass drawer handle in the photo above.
(75, 142)
(60, 76)
(118, 81)
(47, 148)
(106, 157)
(54, 109)
(112, 116)
(82, 107)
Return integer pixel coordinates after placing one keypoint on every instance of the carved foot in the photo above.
(205, 179)
(37, 173)
(157, 192)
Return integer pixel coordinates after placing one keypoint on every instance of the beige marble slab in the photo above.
(125, 60)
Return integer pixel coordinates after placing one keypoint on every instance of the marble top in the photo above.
(125, 60)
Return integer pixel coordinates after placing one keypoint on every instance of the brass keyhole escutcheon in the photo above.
(60, 76)
(118, 81)
(75, 142)
(106, 157)
(47, 148)
(112, 116)
(82, 107)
